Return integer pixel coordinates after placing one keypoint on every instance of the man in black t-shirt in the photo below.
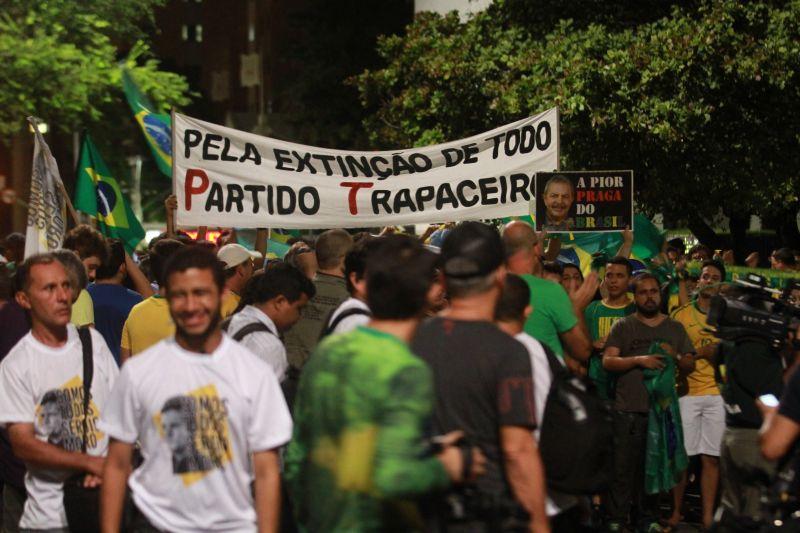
(483, 383)
(629, 350)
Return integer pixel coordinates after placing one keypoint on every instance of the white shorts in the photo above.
(703, 424)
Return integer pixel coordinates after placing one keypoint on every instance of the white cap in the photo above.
(235, 254)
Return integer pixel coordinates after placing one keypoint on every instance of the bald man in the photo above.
(555, 318)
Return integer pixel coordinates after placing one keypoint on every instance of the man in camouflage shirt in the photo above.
(357, 457)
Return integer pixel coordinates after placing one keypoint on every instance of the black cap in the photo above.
(470, 250)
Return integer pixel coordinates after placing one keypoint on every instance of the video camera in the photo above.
(754, 310)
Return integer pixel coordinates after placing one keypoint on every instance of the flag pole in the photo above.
(71, 208)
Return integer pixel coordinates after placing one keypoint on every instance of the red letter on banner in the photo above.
(190, 188)
(351, 197)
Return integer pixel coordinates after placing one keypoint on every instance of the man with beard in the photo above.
(702, 407)
(237, 411)
(628, 352)
(558, 197)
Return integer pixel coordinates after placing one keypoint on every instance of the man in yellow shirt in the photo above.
(239, 269)
(702, 407)
(149, 321)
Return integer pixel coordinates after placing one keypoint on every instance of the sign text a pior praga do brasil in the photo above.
(230, 178)
(584, 201)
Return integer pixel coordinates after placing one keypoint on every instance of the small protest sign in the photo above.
(584, 201)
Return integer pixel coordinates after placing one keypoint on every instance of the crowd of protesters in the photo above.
(361, 383)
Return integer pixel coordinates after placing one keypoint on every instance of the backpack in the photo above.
(253, 327)
(331, 324)
(577, 435)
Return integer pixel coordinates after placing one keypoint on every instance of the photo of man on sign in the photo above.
(559, 195)
(584, 201)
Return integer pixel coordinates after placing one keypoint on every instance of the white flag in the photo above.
(47, 210)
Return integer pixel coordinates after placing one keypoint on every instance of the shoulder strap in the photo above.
(88, 373)
(556, 367)
(353, 311)
(251, 328)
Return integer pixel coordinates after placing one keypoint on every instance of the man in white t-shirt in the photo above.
(41, 395)
(511, 313)
(354, 311)
(274, 299)
(209, 417)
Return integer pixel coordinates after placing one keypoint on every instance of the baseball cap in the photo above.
(236, 254)
(471, 249)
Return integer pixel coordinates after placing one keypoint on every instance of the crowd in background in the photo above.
(360, 383)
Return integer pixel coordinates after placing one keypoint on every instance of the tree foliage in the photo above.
(59, 60)
(699, 98)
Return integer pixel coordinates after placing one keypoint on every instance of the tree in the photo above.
(329, 42)
(699, 98)
(59, 60)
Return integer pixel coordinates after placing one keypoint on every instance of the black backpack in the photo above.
(577, 436)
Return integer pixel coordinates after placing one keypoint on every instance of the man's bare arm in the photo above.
(267, 490)
(614, 363)
(115, 479)
(45, 455)
(525, 473)
(777, 435)
(140, 281)
(576, 341)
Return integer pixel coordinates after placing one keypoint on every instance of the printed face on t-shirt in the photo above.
(59, 415)
(176, 431)
(194, 302)
(195, 428)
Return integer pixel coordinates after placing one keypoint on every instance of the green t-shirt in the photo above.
(552, 312)
(601, 317)
(357, 451)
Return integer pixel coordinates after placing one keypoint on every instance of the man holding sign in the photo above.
(584, 201)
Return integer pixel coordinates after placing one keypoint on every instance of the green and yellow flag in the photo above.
(97, 193)
(157, 128)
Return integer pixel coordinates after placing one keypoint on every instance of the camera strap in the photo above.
(466, 458)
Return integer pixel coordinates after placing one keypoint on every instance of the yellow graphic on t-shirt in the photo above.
(604, 325)
(59, 415)
(195, 427)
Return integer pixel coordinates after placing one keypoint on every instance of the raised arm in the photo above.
(140, 281)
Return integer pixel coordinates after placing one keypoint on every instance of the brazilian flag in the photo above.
(585, 248)
(97, 193)
(157, 128)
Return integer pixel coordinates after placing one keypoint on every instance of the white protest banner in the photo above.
(224, 177)
(47, 211)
